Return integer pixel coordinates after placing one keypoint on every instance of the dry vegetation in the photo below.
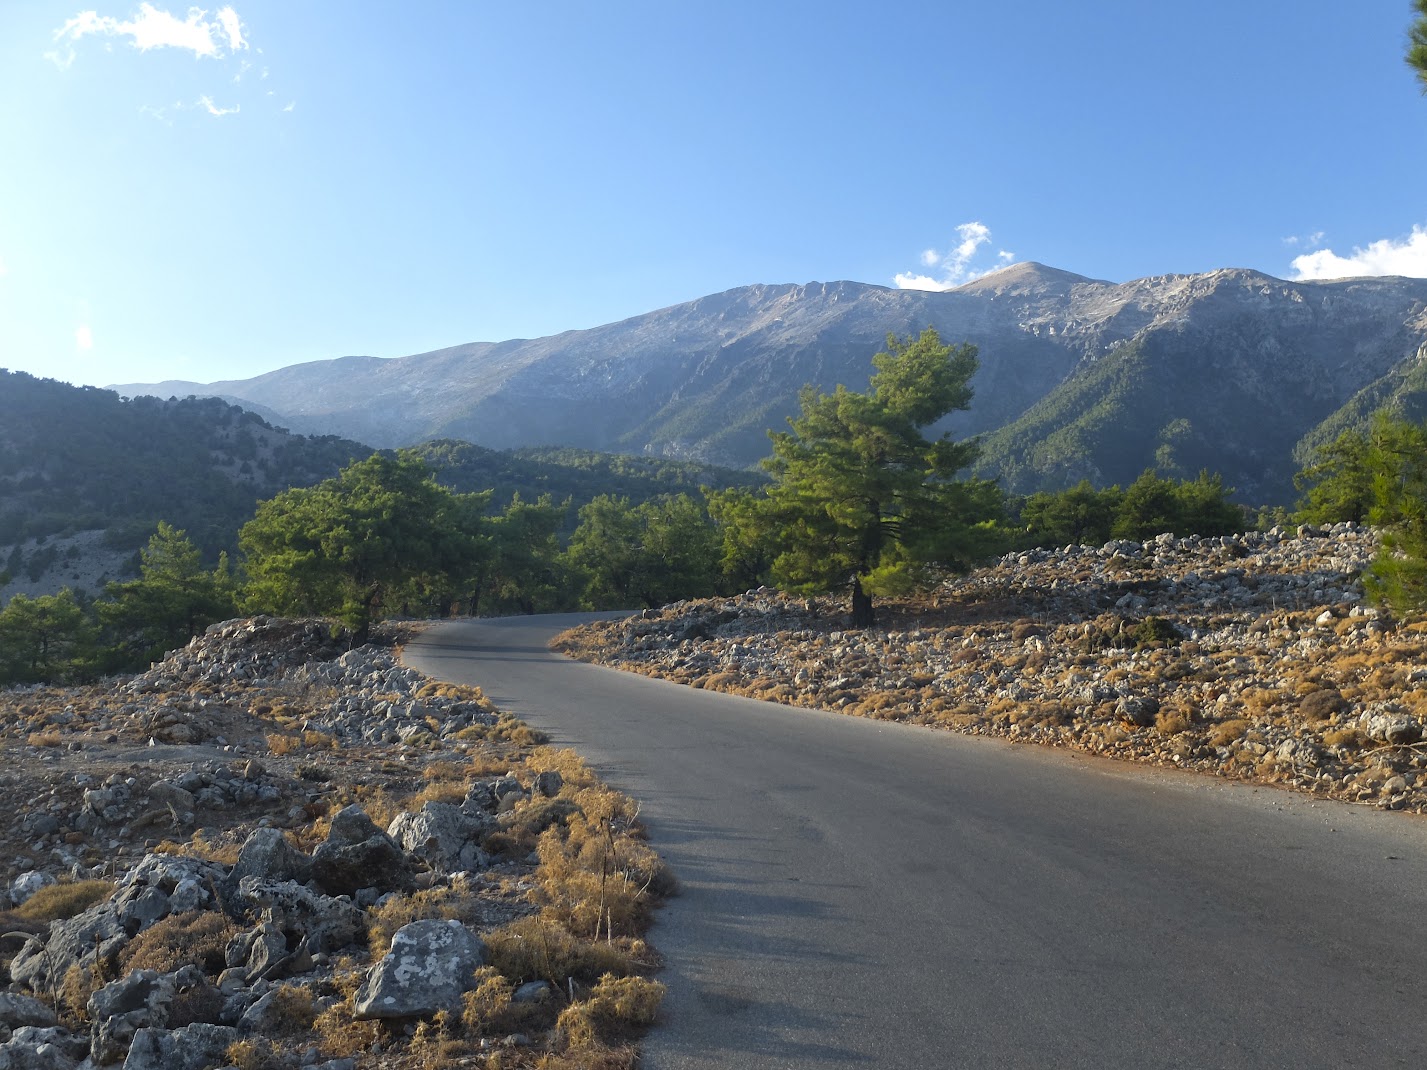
(566, 898)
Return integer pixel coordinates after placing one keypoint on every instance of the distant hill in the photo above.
(85, 476)
(567, 473)
(1078, 377)
(77, 458)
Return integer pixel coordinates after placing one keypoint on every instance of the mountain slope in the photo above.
(85, 476)
(1252, 363)
(76, 459)
(1402, 391)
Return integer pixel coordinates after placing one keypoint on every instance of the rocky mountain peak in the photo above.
(1028, 276)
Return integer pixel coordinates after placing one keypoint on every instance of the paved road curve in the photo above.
(859, 894)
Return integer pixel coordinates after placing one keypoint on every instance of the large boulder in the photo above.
(444, 836)
(42, 1048)
(120, 1009)
(305, 918)
(268, 855)
(194, 1047)
(1392, 727)
(375, 863)
(96, 935)
(430, 965)
(357, 855)
(17, 1010)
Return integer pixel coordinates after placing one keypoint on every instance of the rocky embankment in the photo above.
(270, 851)
(1249, 656)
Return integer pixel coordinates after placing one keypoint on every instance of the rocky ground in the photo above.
(271, 851)
(1249, 656)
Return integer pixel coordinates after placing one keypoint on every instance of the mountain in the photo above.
(77, 458)
(1078, 376)
(1235, 372)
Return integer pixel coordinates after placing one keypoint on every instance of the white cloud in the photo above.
(1308, 241)
(954, 265)
(291, 104)
(154, 28)
(233, 27)
(1389, 256)
(83, 339)
(206, 102)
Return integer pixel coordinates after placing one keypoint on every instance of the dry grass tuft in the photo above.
(539, 948)
(615, 1003)
(199, 937)
(56, 902)
(431, 904)
(1225, 732)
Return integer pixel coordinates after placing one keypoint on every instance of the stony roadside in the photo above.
(272, 851)
(1250, 656)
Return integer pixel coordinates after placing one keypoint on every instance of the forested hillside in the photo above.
(78, 459)
(86, 474)
(579, 475)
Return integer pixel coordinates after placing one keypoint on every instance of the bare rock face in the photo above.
(430, 965)
(194, 1047)
(446, 837)
(359, 855)
(268, 856)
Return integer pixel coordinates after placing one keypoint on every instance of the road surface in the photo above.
(863, 894)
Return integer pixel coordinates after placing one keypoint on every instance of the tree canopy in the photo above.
(860, 496)
(382, 533)
(174, 598)
(1417, 42)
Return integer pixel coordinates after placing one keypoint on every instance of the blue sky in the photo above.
(210, 193)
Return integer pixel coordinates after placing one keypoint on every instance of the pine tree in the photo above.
(860, 496)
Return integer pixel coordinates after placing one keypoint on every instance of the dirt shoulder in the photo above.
(1248, 656)
(221, 855)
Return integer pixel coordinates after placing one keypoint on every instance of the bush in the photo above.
(199, 937)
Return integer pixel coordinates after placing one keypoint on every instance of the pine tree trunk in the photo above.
(862, 614)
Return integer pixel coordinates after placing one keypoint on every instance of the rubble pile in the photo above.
(240, 821)
(1250, 656)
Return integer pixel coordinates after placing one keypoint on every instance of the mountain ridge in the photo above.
(705, 379)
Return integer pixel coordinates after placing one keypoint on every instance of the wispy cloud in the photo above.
(155, 28)
(1305, 241)
(206, 103)
(954, 267)
(1389, 256)
(219, 35)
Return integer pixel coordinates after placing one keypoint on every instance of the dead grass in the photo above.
(199, 938)
(539, 948)
(1226, 732)
(56, 902)
(615, 1004)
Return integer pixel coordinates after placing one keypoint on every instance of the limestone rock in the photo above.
(430, 965)
(344, 869)
(444, 836)
(17, 1010)
(194, 1047)
(266, 854)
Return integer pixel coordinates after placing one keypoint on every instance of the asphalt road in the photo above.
(861, 894)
